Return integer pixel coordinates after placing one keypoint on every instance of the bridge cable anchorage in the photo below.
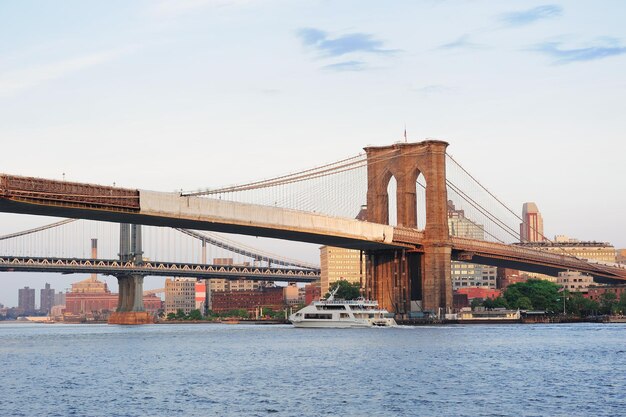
(586, 261)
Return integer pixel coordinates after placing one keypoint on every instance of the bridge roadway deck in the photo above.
(532, 260)
(76, 200)
(154, 268)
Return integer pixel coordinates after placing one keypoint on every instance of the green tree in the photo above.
(622, 303)
(524, 303)
(542, 294)
(609, 303)
(240, 313)
(275, 314)
(180, 314)
(346, 291)
(495, 303)
(581, 306)
(171, 316)
(195, 315)
(476, 302)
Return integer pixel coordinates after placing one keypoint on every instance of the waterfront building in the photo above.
(479, 292)
(46, 298)
(249, 300)
(531, 228)
(574, 281)
(56, 312)
(466, 274)
(507, 276)
(26, 299)
(92, 297)
(291, 295)
(312, 292)
(201, 295)
(180, 294)
(226, 285)
(595, 292)
(482, 315)
(341, 264)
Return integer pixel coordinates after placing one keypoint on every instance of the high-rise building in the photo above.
(341, 264)
(466, 274)
(46, 299)
(180, 294)
(531, 228)
(201, 295)
(59, 299)
(26, 299)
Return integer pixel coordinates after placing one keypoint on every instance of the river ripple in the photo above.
(248, 370)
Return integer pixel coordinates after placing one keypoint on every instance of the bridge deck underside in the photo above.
(540, 268)
(134, 217)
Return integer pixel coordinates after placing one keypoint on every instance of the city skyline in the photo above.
(231, 86)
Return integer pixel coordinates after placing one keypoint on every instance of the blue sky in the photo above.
(166, 95)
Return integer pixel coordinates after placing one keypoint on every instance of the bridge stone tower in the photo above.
(397, 277)
(130, 308)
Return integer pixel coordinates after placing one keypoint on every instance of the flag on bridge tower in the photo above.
(405, 139)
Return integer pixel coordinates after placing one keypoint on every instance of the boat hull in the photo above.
(343, 324)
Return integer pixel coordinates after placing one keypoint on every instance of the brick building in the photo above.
(80, 304)
(479, 292)
(595, 293)
(268, 297)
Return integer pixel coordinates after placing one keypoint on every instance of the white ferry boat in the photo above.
(333, 313)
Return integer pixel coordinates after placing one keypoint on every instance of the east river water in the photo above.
(256, 370)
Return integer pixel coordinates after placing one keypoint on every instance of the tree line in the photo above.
(542, 295)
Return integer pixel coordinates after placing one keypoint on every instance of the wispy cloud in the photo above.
(14, 81)
(346, 66)
(529, 16)
(342, 45)
(561, 55)
(461, 43)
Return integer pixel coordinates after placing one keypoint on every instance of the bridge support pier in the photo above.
(130, 308)
(436, 280)
(394, 278)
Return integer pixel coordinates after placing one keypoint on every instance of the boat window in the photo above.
(318, 316)
(333, 307)
(344, 315)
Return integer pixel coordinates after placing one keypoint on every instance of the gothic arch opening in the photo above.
(392, 201)
(420, 195)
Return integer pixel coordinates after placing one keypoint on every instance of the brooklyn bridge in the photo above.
(390, 202)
